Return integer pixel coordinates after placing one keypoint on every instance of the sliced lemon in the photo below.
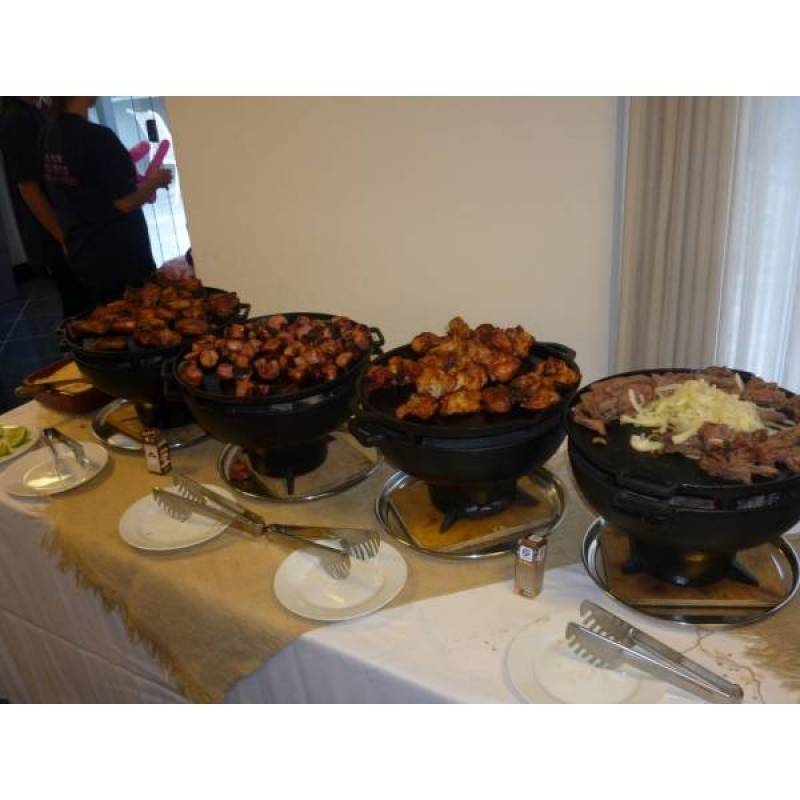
(14, 435)
(4, 449)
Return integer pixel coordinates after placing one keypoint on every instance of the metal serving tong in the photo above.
(359, 543)
(335, 561)
(609, 641)
(53, 435)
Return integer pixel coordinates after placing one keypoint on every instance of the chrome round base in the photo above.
(693, 611)
(548, 490)
(347, 464)
(182, 436)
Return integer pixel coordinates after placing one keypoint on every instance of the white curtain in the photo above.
(679, 170)
(759, 323)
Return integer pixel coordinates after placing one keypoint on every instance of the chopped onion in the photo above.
(681, 410)
(633, 399)
(641, 443)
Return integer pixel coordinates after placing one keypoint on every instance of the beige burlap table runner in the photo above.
(209, 614)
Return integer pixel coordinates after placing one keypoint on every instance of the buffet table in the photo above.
(62, 642)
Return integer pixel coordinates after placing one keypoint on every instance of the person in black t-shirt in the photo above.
(21, 127)
(92, 181)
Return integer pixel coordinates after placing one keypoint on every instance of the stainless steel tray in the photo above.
(550, 486)
(111, 437)
(786, 562)
(319, 483)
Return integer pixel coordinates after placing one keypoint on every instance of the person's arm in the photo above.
(161, 178)
(40, 207)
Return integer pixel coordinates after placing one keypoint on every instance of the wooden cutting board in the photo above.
(422, 519)
(125, 420)
(647, 592)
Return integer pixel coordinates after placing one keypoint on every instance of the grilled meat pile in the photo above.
(159, 314)
(718, 450)
(275, 356)
(468, 371)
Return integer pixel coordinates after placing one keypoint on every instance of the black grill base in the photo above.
(289, 462)
(473, 502)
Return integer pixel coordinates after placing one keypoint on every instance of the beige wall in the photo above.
(404, 212)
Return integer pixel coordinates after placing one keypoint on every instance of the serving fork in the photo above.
(359, 543)
(335, 561)
(609, 641)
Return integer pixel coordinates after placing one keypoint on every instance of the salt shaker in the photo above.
(156, 451)
(529, 565)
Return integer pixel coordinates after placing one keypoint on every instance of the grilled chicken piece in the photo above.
(331, 347)
(425, 341)
(361, 337)
(404, 370)
(123, 325)
(235, 331)
(277, 322)
(165, 314)
(435, 382)
(466, 401)
(422, 406)
(496, 399)
(178, 305)
(157, 337)
(521, 341)
(343, 360)
(379, 377)
(243, 388)
(193, 375)
(544, 398)
(297, 374)
(110, 343)
(457, 327)
(557, 372)
(88, 327)
(471, 377)
(191, 327)
(208, 358)
(534, 393)
(222, 304)
(503, 367)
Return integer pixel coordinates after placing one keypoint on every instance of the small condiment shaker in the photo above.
(529, 565)
(156, 451)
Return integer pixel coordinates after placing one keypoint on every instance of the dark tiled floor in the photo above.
(27, 335)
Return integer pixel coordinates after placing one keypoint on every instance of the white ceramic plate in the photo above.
(146, 526)
(543, 669)
(35, 475)
(302, 585)
(30, 441)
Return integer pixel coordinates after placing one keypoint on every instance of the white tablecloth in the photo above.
(57, 643)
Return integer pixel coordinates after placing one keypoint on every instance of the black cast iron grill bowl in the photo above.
(136, 373)
(666, 504)
(470, 452)
(283, 428)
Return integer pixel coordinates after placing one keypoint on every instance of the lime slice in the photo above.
(4, 450)
(14, 435)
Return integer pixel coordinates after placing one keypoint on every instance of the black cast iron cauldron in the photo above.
(667, 504)
(137, 373)
(471, 451)
(282, 421)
